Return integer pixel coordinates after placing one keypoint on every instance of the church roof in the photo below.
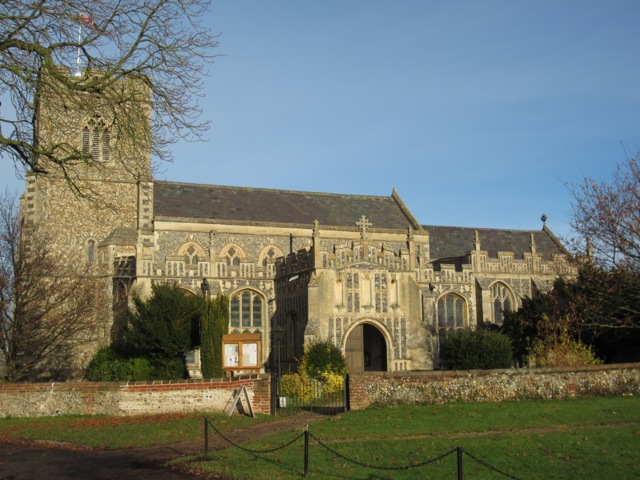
(121, 236)
(453, 242)
(242, 204)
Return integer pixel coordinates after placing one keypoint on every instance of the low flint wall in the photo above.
(134, 398)
(432, 387)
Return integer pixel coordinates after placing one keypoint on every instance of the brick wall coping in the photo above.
(190, 383)
(446, 374)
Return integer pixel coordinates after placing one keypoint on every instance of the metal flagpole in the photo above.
(78, 66)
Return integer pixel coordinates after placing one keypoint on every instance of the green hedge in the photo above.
(478, 350)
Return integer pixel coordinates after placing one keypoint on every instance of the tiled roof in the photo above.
(452, 242)
(121, 236)
(240, 204)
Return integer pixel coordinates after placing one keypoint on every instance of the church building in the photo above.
(358, 271)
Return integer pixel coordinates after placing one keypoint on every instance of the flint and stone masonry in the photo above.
(359, 271)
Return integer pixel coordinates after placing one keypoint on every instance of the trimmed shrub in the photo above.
(297, 387)
(322, 358)
(478, 350)
(107, 366)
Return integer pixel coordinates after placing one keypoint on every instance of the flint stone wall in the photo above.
(135, 398)
(432, 387)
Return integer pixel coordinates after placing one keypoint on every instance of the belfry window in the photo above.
(245, 310)
(95, 140)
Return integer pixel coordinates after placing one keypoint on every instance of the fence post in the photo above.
(459, 449)
(306, 451)
(206, 437)
(347, 398)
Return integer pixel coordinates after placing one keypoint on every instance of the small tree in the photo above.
(606, 215)
(214, 324)
(599, 307)
(163, 328)
(558, 349)
(50, 312)
(324, 362)
(478, 350)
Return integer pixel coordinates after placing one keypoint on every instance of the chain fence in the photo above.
(458, 451)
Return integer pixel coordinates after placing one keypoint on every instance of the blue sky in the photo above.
(477, 112)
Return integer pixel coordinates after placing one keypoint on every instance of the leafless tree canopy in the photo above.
(161, 42)
(608, 215)
(50, 316)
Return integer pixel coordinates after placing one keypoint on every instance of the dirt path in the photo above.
(55, 461)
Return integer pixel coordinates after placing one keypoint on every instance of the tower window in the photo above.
(95, 140)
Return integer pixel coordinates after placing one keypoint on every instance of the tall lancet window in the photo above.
(502, 301)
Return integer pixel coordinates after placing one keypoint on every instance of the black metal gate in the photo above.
(292, 393)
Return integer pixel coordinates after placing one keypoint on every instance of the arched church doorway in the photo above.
(366, 349)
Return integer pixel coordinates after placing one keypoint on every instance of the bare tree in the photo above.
(607, 215)
(50, 315)
(160, 42)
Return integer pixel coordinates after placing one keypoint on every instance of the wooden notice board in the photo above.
(241, 351)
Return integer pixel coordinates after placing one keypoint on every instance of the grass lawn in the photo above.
(118, 432)
(583, 438)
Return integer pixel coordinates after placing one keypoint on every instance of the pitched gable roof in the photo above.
(255, 205)
(453, 242)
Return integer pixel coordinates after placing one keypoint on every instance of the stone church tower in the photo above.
(359, 271)
(94, 205)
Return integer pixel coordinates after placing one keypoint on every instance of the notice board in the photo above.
(241, 351)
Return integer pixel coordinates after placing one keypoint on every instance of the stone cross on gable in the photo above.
(363, 223)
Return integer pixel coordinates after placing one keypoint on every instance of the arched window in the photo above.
(246, 310)
(233, 257)
(95, 140)
(192, 253)
(452, 314)
(91, 251)
(501, 301)
(270, 256)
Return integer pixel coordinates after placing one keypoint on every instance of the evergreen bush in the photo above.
(106, 366)
(478, 350)
(214, 324)
(162, 329)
